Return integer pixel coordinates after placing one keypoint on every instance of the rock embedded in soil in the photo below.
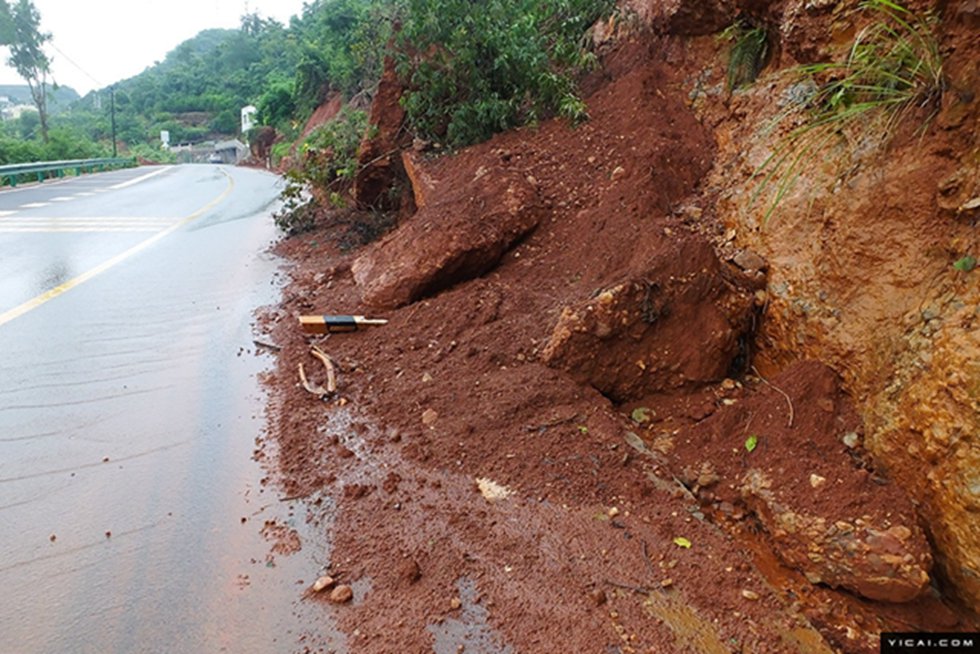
(676, 324)
(408, 571)
(835, 522)
(459, 236)
(429, 417)
(749, 261)
(885, 562)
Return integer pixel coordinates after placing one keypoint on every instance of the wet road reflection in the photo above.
(130, 509)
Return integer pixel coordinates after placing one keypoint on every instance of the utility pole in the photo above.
(112, 113)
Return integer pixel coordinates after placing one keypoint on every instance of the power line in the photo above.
(82, 70)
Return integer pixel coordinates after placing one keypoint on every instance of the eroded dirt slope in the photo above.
(549, 451)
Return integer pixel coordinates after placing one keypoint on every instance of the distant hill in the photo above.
(58, 99)
(196, 93)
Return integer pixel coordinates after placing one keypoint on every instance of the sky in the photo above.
(96, 43)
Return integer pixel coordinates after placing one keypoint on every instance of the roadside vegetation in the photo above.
(471, 74)
(467, 75)
(197, 92)
(893, 73)
(748, 54)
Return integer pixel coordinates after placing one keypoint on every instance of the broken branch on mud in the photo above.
(320, 391)
(268, 346)
(328, 364)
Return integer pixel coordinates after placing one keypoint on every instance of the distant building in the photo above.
(248, 118)
(231, 152)
(15, 111)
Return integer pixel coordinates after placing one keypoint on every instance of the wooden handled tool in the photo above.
(333, 324)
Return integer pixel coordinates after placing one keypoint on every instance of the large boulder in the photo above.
(455, 237)
(677, 324)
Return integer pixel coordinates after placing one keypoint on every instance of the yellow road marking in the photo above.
(47, 296)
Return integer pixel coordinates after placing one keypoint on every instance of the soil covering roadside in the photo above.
(559, 442)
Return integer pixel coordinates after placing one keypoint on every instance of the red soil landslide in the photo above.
(482, 489)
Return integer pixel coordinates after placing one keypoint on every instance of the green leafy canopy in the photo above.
(472, 72)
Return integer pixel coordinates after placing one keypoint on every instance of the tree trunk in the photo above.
(39, 93)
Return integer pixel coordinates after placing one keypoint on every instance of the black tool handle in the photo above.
(340, 323)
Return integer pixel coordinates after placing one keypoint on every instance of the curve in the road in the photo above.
(49, 295)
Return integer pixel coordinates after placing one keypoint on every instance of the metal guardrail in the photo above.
(14, 173)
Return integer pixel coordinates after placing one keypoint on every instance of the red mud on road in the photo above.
(549, 451)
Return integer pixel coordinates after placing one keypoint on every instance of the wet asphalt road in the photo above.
(129, 409)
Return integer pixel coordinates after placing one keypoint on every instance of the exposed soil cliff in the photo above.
(861, 271)
(613, 411)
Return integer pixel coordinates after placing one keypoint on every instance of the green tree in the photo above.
(474, 70)
(312, 80)
(27, 125)
(276, 106)
(6, 24)
(22, 24)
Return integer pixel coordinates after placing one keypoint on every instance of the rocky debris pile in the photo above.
(880, 562)
(787, 452)
(677, 325)
(550, 263)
